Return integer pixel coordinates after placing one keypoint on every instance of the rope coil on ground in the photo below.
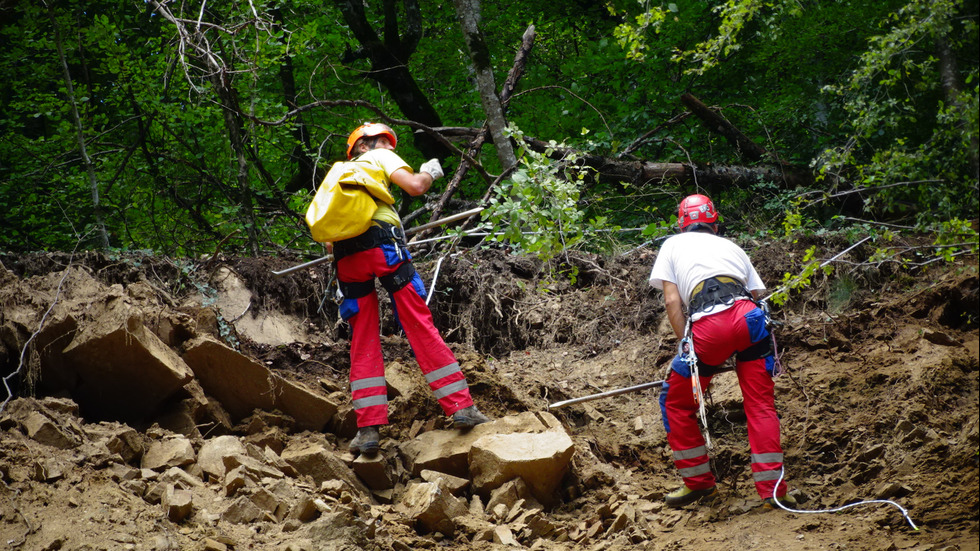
(782, 473)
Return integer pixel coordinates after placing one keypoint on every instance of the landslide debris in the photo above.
(162, 405)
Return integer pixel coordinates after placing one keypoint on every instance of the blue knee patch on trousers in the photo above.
(681, 366)
(348, 308)
(419, 285)
(663, 406)
(755, 320)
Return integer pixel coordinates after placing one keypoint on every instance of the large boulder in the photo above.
(448, 451)
(243, 385)
(122, 370)
(540, 459)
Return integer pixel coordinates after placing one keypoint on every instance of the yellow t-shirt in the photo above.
(380, 164)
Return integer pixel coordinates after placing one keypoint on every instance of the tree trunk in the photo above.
(710, 178)
(220, 78)
(389, 64)
(101, 233)
(468, 12)
(305, 177)
(949, 77)
(513, 77)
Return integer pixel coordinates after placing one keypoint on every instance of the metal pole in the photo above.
(446, 220)
(309, 264)
(606, 394)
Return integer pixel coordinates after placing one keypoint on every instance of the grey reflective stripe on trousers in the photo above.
(440, 393)
(765, 476)
(369, 382)
(692, 453)
(379, 400)
(442, 372)
(703, 468)
(774, 457)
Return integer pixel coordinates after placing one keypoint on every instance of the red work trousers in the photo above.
(716, 338)
(369, 391)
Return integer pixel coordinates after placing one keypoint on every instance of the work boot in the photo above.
(366, 441)
(685, 496)
(787, 501)
(468, 417)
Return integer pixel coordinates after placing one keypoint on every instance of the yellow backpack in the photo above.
(346, 200)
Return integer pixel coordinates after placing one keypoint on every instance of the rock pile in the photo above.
(221, 439)
(309, 488)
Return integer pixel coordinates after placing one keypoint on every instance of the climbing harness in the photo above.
(716, 291)
(378, 234)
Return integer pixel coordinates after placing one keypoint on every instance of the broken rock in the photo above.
(124, 371)
(454, 484)
(178, 504)
(213, 452)
(541, 460)
(447, 451)
(431, 507)
(242, 385)
(374, 471)
(321, 465)
(175, 451)
(242, 511)
(44, 431)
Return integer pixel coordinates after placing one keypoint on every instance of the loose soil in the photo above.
(879, 402)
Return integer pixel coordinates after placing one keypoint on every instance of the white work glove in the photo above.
(433, 168)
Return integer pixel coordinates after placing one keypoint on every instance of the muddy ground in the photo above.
(879, 402)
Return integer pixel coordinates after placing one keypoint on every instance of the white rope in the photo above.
(835, 257)
(782, 473)
(435, 276)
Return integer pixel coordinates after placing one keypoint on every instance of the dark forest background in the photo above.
(185, 127)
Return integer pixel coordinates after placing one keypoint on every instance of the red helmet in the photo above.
(368, 130)
(696, 209)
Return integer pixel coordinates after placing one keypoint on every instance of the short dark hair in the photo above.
(701, 227)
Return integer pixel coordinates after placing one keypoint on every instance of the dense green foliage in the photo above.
(126, 128)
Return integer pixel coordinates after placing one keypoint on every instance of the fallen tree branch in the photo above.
(715, 122)
(707, 176)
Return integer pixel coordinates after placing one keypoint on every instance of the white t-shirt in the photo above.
(687, 259)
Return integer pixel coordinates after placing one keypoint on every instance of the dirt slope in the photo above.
(880, 401)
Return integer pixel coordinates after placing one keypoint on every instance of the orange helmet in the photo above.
(368, 130)
(696, 209)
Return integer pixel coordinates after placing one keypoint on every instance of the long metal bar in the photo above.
(606, 394)
(309, 264)
(446, 220)
(439, 222)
